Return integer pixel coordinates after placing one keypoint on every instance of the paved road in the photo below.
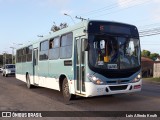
(14, 96)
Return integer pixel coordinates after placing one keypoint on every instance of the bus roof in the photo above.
(81, 24)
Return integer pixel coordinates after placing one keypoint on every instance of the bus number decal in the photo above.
(112, 66)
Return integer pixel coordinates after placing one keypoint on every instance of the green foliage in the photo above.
(153, 56)
(148, 54)
(55, 28)
(5, 58)
(145, 53)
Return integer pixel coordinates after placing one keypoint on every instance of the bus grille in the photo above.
(117, 82)
(122, 87)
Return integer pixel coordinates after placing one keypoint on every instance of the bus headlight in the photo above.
(95, 80)
(138, 78)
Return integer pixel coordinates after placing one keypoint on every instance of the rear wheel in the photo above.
(65, 90)
(28, 82)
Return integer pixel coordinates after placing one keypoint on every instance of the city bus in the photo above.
(90, 58)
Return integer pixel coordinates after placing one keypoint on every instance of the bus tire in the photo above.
(28, 82)
(65, 90)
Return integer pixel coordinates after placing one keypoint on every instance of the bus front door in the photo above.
(80, 67)
(35, 66)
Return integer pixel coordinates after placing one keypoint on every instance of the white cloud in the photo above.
(156, 11)
(129, 3)
(55, 3)
(58, 2)
(10, 1)
(155, 14)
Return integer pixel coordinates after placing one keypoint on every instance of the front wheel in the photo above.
(65, 90)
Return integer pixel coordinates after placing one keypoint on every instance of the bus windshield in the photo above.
(10, 66)
(111, 52)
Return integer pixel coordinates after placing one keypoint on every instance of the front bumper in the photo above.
(97, 90)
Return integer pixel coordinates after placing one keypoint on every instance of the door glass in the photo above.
(78, 64)
(35, 57)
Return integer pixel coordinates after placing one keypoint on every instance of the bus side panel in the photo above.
(22, 69)
(19, 72)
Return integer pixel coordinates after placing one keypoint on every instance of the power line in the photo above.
(152, 34)
(139, 3)
(150, 44)
(108, 7)
(149, 30)
(90, 12)
(149, 25)
(113, 5)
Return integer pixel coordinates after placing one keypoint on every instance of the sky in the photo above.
(21, 21)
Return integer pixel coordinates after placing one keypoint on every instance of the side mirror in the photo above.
(85, 45)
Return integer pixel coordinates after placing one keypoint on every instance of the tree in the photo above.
(145, 53)
(153, 56)
(55, 28)
(148, 54)
(5, 59)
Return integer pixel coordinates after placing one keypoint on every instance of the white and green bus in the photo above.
(91, 58)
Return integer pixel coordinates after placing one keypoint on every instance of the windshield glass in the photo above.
(10, 66)
(110, 52)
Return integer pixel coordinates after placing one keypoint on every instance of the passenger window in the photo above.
(43, 54)
(66, 46)
(29, 53)
(54, 45)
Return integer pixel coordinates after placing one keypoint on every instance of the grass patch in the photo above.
(152, 79)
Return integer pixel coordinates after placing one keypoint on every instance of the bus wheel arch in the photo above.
(61, 78)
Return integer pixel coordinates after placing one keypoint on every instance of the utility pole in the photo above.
(12, 54)
(70, 17)
(4, 57)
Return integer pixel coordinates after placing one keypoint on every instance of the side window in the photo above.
(43, 54)
(17, 56)
(29, 53)
(66, 46)
(24, 55)
(20, 56)
(54, 45)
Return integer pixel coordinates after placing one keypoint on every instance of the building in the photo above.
(158, 59)
(147, 67)
(156, 72)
